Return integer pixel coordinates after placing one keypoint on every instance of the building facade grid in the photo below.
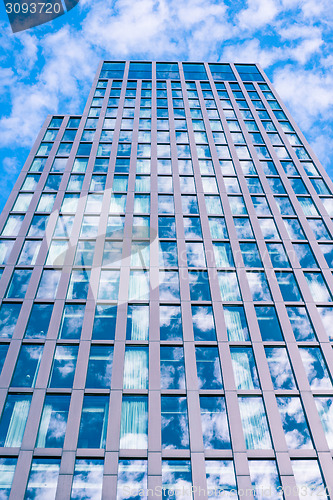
(187, 199)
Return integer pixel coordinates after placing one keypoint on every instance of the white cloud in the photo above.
(258, 13)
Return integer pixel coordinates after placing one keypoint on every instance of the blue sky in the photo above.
(49, 69)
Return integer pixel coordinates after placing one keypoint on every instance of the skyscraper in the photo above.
(166, 316)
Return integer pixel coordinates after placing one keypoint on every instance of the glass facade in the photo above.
(166, 296)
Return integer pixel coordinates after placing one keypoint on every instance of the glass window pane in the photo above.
(48, 284)
(29, 253)
(169, 286)
(176, 476)
(288, 286)
(108, 285)
(229, 286)
(93, 425)
(220, 476)
(245, 371)
(315, 367)
(170, 323)
(99, 367)
(254, 423)
(104, 322)
(8, 318)
(259, 286)
(325, 410)
(136, 368)
(39, 321)
(137, 327)
(280, 368)
(13, 420)
(236, 324)
(43, 479)
(19, 284)
(7, 470)
(215, 428)
(172, 367)
(318, 287)
(87, 479)
(63, 369)
(71, 322)
(265, 480)
(203, 323)
(300, 323)
(294, 424)
(27, 366)
(52, 427)
(175, 433)
(132, 476)
(268, 323)
(308, 478)
(208, 368)
(134, 423)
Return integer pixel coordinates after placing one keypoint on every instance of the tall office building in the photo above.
(166, 316)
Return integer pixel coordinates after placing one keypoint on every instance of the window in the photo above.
(169, 286)
(265, 479)
(259, 286)
(288, 286)
(87, 479)
(63, 368)
(251, 256)
(130, 471)
(235, 320)
(138, 285)
(57, 253)
(134, 422)
(48, 284)
(300, 323)
(279, 367)
(7, 470)
(136, 368)
(175, 433)
(308, 478)
(318, 287)
(269, 229)
(168, 254)
(8, 318)
(208, 368)
(137, 326)
(71, 322)
(315, 368)
(176, 476)
(278, 255)
(104, 322)
(218, 228)
(13, 225)
(229, 286)
(243, 228)
(19, 283)
(27, 366)
(172, 367)
(268, 323)
(5, 249)
(93, 425)
(215, 426)
(295, 427)
(326, 314)
(166, 227)
(108, 285)
(13, 420)
(43, 478)
(52, 427)
(203, 323)
(220, 476)
(254, 422)
(195, 254)
(245, 371)
(223, 255)
(170, 323)
(199, 285)
(99, 367)
(79, 284)
(324, 407)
